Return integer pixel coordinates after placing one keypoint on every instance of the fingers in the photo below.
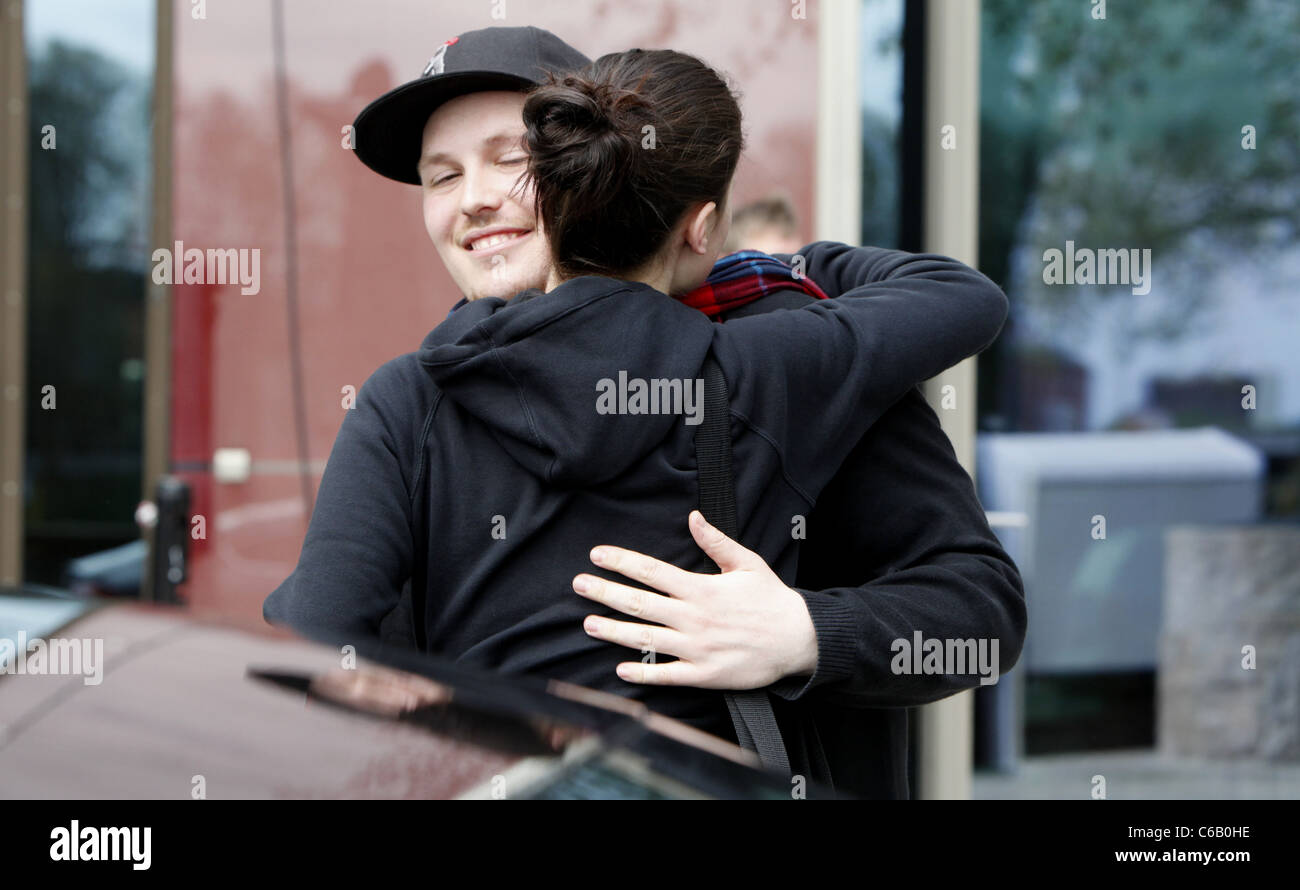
(672, 673)
(646, 569)
(642, 637)
(632, 601)
(726, 552)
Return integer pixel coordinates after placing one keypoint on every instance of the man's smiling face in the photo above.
(482, 226)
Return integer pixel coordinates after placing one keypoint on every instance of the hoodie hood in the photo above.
(578, 384)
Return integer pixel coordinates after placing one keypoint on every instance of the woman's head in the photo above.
(632, 161)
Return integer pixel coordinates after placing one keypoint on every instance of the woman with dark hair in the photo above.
(643, 144)
(550, 419)
(566, 417)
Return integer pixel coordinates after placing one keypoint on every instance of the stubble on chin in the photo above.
(501, 290)
(510, 280)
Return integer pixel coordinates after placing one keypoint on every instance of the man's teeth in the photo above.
(492, 241)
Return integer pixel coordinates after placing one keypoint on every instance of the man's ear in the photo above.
(700, 225)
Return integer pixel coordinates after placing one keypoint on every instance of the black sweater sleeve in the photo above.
(358, 549)
(901, 521)
(814, 379)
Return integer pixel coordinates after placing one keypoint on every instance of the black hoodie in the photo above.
(485, 468)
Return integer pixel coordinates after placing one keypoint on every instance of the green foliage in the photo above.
(1126, 132)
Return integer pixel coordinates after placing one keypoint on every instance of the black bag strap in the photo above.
(751, 710)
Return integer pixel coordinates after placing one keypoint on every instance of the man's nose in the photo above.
(482, 194)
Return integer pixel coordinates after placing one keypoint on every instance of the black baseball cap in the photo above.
(388, 131)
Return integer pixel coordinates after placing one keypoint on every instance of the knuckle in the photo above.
(649, 570)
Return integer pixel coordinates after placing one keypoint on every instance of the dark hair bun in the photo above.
(619, 151)
(583, 135)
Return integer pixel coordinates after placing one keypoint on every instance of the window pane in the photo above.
(90, 69)
(1139, 203)
(882, 119)
(1126, 144)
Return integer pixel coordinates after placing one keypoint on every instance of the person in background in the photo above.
(768, 225)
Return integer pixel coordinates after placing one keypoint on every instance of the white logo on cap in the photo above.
(436, 60)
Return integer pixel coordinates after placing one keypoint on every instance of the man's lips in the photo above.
(494, 241)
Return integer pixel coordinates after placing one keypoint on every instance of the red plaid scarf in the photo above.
(743, 277)
(737, 279)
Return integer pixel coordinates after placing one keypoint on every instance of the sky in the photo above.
(122, 30)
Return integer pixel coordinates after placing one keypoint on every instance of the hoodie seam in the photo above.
(420, 449)
(523, 404)
(780, 456)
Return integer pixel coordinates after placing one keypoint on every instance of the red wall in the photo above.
(370, 284)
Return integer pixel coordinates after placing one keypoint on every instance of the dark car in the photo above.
(164, 705)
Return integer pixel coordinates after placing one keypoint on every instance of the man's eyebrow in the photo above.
(505, 137)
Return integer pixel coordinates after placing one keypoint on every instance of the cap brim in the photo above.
(389, 130)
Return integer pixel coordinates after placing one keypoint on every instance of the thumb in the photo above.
(729, 554)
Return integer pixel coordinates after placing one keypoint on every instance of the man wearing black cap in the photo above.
(900, 524)
(457, 130)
